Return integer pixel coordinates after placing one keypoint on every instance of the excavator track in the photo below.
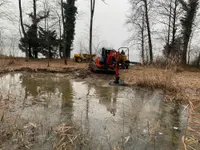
(92, 67)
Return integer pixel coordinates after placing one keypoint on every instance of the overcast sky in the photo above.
(109, 24)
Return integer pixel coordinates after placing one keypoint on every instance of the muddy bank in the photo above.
(76, 72)
(178, 85)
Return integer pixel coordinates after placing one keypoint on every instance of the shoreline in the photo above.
(140, 76)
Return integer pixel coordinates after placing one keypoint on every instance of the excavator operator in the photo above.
(122, 52)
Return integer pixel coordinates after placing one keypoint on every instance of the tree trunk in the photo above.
(35, 24)
(185, 47)
(29, 51)
(191, 8)
(34, 9)
(92, 5)
(189, 56)
(142, 42)
(169, 30)
(149, 31)
(64, 36)
(198, 61)
(68, 49)
(22, 26)
(169, 24)
(60, 44)
(189, 47)
(49, 50)
(147, 56)
(174, 24)
(35, 54)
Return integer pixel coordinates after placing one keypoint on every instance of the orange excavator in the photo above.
(108, 63)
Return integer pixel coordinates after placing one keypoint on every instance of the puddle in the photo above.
(106, 116)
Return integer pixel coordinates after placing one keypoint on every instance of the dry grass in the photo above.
(170, 80)
(16, 133)
(14, 63)
(6, 62)
(65, 137)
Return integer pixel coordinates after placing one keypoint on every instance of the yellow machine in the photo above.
(82, 57)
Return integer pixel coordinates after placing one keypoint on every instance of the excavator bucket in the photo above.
(119, 83)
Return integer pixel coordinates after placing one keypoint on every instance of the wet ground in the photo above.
(105, 117)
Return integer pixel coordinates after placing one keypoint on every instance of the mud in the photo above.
(68, 70)
(77, 73)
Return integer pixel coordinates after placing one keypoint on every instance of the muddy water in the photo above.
(105, 117)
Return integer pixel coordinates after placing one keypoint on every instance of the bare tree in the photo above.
(142, 28)
(171, 12)
(140, 16)
(22, 25)
(144, 5)
(1, 44)
(187, 21)
(174, 17)
(64, 37)
(59, 16)
(138, 28)
(92, 9)
(148, 30)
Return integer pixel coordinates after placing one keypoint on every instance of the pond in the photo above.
(105, 116)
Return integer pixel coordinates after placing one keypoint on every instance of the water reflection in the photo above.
(108, 97)
(136, 119)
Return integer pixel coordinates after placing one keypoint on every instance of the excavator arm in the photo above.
(117, 68)
(117, 81)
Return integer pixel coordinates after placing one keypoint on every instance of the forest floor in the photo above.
(182, 84)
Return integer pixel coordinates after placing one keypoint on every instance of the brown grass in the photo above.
(20, 62)
(14, 133)
(65, 137)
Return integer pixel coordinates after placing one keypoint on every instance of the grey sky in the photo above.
(109, 24)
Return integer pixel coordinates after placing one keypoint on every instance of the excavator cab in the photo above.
(124, 57)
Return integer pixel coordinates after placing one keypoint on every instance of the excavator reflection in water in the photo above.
(108, 97)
